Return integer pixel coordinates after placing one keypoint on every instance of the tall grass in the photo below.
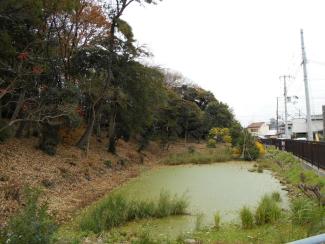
(303, 211)
(247, 218)
(217, 220)
(307, 213)
(116, 210)
(267, 211)
(32, 224)
(199, 221)
(276, 196)
(288, 166)
(207, 156)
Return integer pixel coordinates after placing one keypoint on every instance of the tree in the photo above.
(189, 120)
(139, 94)
(217, 114)
(196, 95)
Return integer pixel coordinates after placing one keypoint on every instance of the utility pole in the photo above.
(285, 77)
(324, 121)
(304, 64)
(277, 116)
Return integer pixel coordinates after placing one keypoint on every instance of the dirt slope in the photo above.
(71, 180)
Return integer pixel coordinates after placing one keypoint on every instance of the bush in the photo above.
(251, 152)
(227, 139)
(108, 163)
(302, 211)
(220, 134)
(247, 218)
(116, 210)
(267, 211)
(168, 205)
(261, 148)
(5, 132)
(217, 220)
(32, 225)
(212, 143)
(247, 144)
(276, 196)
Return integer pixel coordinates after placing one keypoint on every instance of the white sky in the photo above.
(238, 49)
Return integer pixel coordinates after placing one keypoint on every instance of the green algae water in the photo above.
(222, 187)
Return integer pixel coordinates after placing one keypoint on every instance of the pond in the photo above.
(222, 187)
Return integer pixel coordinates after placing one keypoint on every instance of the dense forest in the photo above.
(74, 67)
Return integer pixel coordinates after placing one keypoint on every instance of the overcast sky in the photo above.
(238, 49)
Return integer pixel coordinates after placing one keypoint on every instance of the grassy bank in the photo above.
(289, 169)
(269, 224)
(115, 210)
(203, 156)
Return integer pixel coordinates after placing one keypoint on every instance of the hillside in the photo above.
(70, 179)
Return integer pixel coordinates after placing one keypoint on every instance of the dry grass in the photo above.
(70, 179)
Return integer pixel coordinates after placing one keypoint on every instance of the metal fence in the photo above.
(312, 152)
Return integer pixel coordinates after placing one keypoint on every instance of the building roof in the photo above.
(256, 125)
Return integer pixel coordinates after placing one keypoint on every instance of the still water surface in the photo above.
(223, 187)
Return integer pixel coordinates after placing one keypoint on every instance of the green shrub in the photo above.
(217, 220)
(302, 211)
(168, 205)
(247, 218)
(116, 210)
(247, 144)
(267, 211)
(276, 196)
(32, 225)
(251, 152)
(141, 210)
(212, 143)
(111, 212)
(5, 132)
(108, 163)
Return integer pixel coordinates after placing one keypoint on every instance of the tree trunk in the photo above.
(111, 133)
(20, 130)
(84, 140)
(98, 127)
(186, 131)
(19, 105)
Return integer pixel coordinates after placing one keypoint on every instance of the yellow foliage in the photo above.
(220, 134)
(261, 148)
(227, 139)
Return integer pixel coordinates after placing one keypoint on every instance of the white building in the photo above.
(258, 129)
(299, 125)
